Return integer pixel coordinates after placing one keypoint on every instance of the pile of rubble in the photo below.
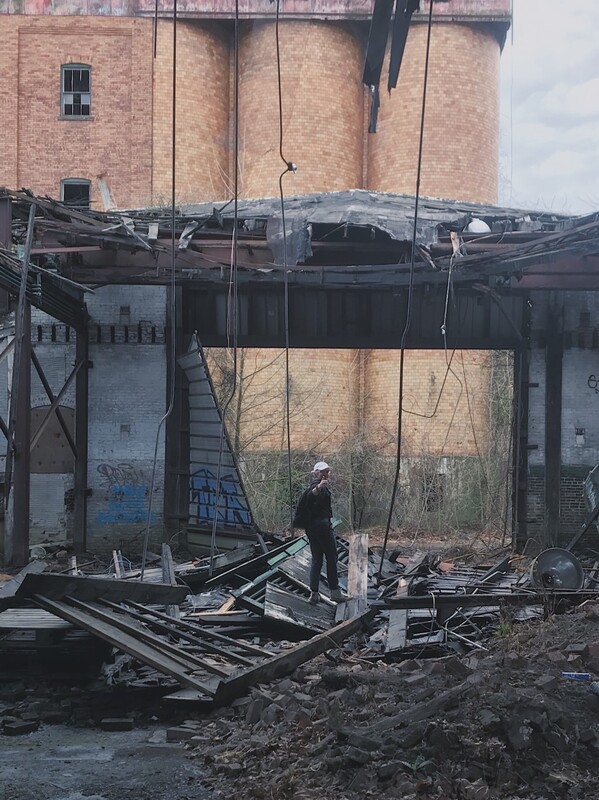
(435, 679)
(503, 723)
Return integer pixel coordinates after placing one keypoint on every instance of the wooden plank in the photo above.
(286, 662)
(168, 576)
(168, 566)
(485, 600)
(31, 619)
(117, 564)
(57, 586)
(357, 578)
(397, 630)
(9, 588)
(227, 605)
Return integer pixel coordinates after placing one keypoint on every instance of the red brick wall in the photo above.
(38, 149)
(323, 401)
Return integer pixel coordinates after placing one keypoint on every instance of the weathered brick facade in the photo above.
(202, 114)
(461, 140)
(37, 148)
(126, 145)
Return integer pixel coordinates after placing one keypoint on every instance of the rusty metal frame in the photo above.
(53, 400)
(54, 408)
(18, 429)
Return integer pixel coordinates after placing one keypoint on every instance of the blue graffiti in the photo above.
(126, 503)
(231, 510)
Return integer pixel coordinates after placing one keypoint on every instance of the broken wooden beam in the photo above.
(357, 577)
(87, 588)
(286, 662)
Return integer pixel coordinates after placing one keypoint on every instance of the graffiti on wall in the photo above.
(126, 497)
(114, 474)
(232, 509)
(593, 383)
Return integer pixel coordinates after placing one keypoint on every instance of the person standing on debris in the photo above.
(321, 536)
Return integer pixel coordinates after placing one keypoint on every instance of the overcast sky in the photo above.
(550, 107)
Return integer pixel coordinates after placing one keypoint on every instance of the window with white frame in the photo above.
(75, 94)
(75, 192)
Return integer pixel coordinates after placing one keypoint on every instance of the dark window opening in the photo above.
(75, 91)
(75, 193)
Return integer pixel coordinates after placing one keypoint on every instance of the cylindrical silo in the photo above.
(323, 108)
(461, 134)
(202, 112)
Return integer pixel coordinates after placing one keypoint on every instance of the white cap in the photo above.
(320, 466)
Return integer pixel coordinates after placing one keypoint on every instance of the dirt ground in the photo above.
(59, 762)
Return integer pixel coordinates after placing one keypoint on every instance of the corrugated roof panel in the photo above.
(215, 485)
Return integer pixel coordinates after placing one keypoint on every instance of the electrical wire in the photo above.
(289, 167)
(173, 301)
(232, 315)
(410, 290)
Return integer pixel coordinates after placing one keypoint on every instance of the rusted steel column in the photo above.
(81, 443)
(17, 480)
(554, 350)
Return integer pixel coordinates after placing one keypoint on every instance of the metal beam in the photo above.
(553, 422)
(81, 441)
(52, 398)
(17, 479)
(55, 404)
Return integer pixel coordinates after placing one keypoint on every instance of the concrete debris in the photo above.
(485, 714)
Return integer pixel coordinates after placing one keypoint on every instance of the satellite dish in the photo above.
(557, 569)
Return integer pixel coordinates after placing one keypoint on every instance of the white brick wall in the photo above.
(57, 362)
(147, 304)
(536, 407)
(580, 407)
(127, 398)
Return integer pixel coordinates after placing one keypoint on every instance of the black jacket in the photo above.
(320, 504)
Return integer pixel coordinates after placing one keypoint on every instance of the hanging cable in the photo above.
(173, 303)
(232, 313)
(410, 290)
(155, 29)
(289, 167)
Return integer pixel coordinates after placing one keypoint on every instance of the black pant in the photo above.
(322, 544)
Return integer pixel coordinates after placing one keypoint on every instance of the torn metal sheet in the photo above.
(215, 485)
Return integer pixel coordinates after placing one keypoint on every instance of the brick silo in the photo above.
(461, 134)
(202, 145)
(323, 107)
